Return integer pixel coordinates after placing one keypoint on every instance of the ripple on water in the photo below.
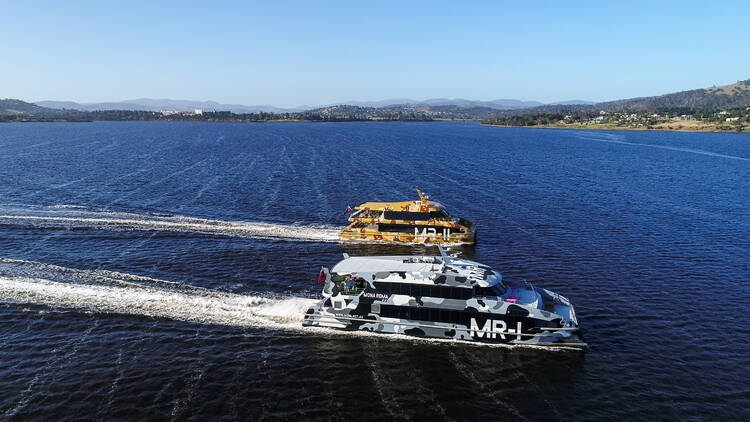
(159, 269)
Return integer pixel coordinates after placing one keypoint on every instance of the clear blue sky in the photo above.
(318, 52)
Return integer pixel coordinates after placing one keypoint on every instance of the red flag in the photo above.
(320, 277)
(348, 209)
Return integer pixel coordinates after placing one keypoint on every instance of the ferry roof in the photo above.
(375, 264)
(398, 206)
(411, 264)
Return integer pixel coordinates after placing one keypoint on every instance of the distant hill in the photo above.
(503, 104)
(451, 111)
(17, 107)
(419, 111)
(381, 103)
(150, 104)
(17, 110)
(165, 104)
(726, 96)
(573, 102)
(70, 105)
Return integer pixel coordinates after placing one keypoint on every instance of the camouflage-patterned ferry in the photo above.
(441, 297)
(420, 221)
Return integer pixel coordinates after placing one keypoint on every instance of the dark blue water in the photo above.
(158, 270)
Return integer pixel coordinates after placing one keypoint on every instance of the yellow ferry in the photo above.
(420, 221)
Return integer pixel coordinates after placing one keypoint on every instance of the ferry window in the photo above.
(348, 285)
(449, 316)
(455, 293)
(426, 291)
(396, 228)
(424, 314)
(495, 290)
(394, 288)
(439, 214)
(386, 311)
(367, 213)
(404, 313)
(414, 313)
(406, 215)
(455, 317)
(419, 290)
(446, 315)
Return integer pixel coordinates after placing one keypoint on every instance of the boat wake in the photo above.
(103, 291)
(201, 307)
(74, 217)
(110, 292)
(612, 140)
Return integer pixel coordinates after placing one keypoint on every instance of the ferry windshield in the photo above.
(496, 290)
(367, 214)
(439, 214)
(347, 284)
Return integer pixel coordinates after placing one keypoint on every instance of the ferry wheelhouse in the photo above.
(421, 221)
(441, 297)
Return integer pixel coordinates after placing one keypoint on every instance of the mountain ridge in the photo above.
(163, 104)
(726, 96)
(166, 104)
(716, 97)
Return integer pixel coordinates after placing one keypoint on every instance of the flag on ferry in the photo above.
(348, 209)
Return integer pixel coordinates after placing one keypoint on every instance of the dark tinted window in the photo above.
(406, 215)
(397, 228)
(423, 313)
(495, 290)
(439, 214)
(418, 290)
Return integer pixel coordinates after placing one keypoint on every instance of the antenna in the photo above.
(421, 197)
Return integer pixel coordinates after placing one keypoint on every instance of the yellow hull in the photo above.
(427, 237)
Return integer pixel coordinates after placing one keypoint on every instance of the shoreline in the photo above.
(245, 121)
(703, 129)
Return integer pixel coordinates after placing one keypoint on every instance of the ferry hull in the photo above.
(483, 328)
(432, 237)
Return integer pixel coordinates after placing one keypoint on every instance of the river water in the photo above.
(160, 270)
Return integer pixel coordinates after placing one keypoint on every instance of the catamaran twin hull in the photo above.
(422, 297)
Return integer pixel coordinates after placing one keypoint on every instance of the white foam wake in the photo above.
(67, 218)
(206, 307)
(668, 147)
